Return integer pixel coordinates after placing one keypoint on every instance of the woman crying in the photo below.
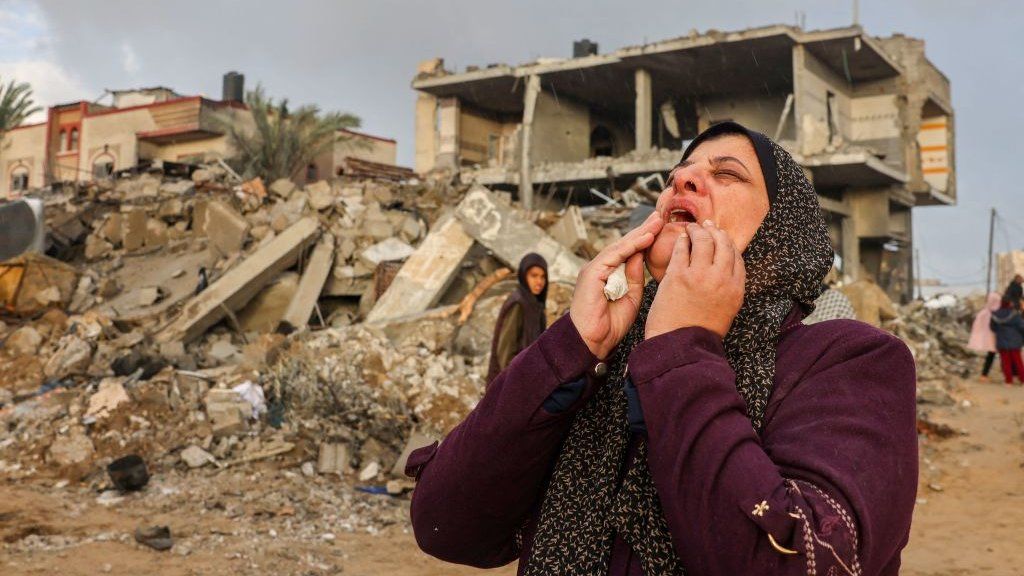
(694, 426)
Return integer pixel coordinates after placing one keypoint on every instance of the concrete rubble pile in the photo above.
(936, 332)
(211, 325)
(316, 334)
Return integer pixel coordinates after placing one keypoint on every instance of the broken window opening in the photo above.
(19, 179)
(602, 142)
(830, 110)
(103, 167)
(492, 147)
(312, 173)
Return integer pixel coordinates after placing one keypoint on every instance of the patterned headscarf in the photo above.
(584, 505)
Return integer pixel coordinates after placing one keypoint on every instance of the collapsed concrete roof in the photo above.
(688, 65)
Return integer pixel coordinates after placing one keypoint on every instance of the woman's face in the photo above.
(720, 181)
(536, 279)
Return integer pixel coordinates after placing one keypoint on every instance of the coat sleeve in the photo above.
(828, 487)
(509, 336)
(478, 488)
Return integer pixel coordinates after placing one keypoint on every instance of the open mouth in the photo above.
(680, 216)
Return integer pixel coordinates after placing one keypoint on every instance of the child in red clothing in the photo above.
(1009, 328)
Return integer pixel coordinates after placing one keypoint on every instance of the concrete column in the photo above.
(448, 133)
(643, 110)
(426, 132)
(525, 179)
(799, 63)
(851, 249)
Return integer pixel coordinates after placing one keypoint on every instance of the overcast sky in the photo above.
(360, 57)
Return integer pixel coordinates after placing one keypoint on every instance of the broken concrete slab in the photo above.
(333, 459)
(156, 233)
(133, 227)
(426, 274)
(387, 250)
(109, 396)
(229, 413)
(178, 188)
(111, 229)
(96, 248)
(510, 237)
(196, 457)
(72, 357)
(264, 312)
(226, 228)
(312, 284)
(235, 288)
(282, 187)
(24, 341)
(416, 441)
(72, 449)
(570, 230)
(320, 195)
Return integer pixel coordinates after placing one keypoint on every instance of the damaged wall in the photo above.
(757, 112)
(815, 109)
(561, 130)
(23, 151)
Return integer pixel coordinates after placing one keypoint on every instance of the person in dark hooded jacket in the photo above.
(1009, 328)
(521, 318)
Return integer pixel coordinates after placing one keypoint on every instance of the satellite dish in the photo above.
(21, 227)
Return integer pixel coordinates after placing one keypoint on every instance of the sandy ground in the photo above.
(969, 519)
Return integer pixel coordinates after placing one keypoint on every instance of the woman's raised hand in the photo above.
(603, 324)
(703, 284)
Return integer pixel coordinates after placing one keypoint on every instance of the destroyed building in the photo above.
(870, 119)
(82, 141)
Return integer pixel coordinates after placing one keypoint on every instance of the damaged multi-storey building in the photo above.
(869, 118)
(82, 141)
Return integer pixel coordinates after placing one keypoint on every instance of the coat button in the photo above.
(600, 370)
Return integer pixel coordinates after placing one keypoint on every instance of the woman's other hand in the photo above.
(703, 284)
(603, 324)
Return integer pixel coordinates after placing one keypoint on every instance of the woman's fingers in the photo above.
(725, 251)
(636, 240)
(702, 244)
(680, 252)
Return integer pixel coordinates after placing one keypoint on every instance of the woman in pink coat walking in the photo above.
(983, 339)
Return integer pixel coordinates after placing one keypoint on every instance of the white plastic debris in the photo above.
(616, 286)
(253, 394)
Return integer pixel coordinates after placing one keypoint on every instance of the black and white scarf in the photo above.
(585, 505)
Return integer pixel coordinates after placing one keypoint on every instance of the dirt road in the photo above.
(969, 518)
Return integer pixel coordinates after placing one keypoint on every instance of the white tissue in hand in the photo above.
(616, 286)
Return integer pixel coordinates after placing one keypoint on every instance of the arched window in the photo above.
(73, 141)
(103, 166)
(62, 144)
(19, 179)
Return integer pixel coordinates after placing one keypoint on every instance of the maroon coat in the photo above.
(839, 448)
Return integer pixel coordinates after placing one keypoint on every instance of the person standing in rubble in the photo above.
(1015, 291)
(521, 318)
(983, 338)
(694, 425)
(1009, 329)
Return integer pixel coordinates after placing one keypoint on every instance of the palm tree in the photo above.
(284, 141)
(15, 105)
